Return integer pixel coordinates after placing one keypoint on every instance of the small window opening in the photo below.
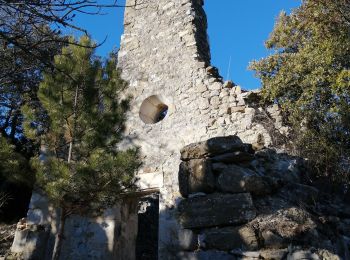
(153, 110)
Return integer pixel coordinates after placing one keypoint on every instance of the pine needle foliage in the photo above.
(309, 76)
(14, 168)
(81, 169)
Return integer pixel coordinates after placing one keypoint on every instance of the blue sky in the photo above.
(237, 29)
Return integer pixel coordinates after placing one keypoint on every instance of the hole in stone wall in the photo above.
(153, 110)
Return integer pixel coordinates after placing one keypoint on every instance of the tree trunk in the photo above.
(14, 124)
(59, 236)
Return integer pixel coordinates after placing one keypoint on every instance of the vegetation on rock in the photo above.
(308, 75)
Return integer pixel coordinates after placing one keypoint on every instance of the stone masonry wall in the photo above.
(110, 235)
(164, 55)
(244, 204)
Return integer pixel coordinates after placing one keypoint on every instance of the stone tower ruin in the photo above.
(177, 97)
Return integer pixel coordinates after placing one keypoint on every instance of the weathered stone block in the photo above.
(297, 255)
(234, 157)
(196, 176)
(288, 225)
(279, 165)
(238, 109)
(271, 240)
(235, 179)
(212, 147)
(274, 254)
(31, 243)
(215, 102)
(215, 86)
(216, 210)
(188, 240)
(205, 255)
(212, 71)
(218, 167)
(238, 90)
(228, 84)
(246, 255)
(300, 193)
(230, 238)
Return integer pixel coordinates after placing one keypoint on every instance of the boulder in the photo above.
(213, 146)
(216, 210)
(229, 238)
(196, 176)
(236, 179)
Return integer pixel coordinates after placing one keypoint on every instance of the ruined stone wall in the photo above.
(164, 55)
(177, 98)
(244, 204)
(111, 234)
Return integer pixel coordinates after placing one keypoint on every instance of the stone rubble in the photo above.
(255, 212)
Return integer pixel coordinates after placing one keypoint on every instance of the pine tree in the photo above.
(82, 170)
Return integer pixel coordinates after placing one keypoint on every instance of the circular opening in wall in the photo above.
(153, 110)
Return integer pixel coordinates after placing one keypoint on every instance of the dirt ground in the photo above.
(7, 233)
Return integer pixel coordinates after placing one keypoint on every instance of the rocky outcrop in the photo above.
(244, 204)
